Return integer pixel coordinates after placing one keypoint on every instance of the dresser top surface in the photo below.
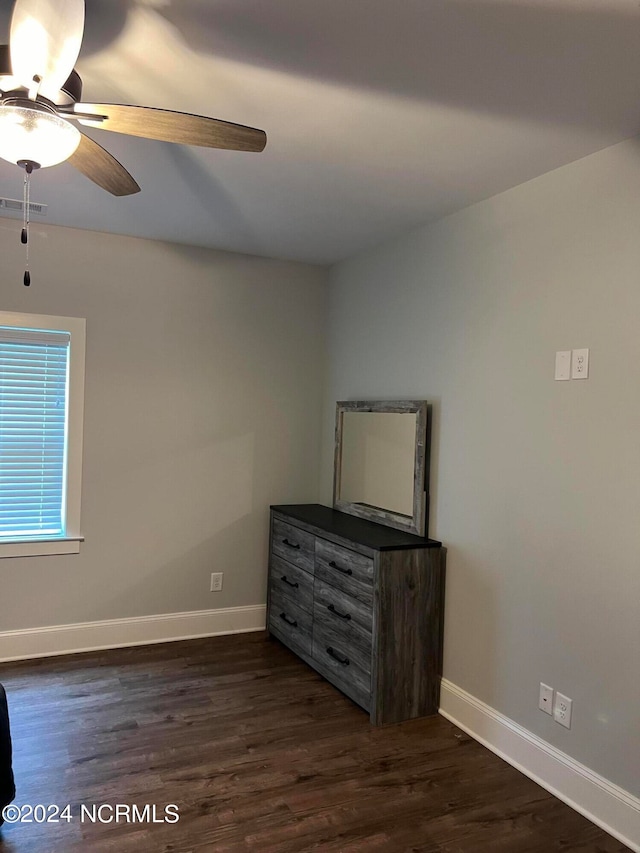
(368, 533)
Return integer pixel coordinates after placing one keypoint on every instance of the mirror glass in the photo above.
(380, 462)
(378, 458)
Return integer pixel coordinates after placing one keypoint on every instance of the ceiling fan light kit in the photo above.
(39, 103)
(31, 131)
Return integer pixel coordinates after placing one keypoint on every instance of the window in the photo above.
(41, 414)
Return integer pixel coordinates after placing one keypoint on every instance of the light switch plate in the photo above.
(563, 364)
(545, 698)
(580, 364)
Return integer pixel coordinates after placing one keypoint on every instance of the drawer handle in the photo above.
(290, 544)
(338, 657)
(335, 612)
(334, 565)
(289, 620)
(288, 582)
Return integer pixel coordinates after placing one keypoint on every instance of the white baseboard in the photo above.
(607, 805)
(136, 631)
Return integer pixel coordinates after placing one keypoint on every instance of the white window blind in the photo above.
(34, 379)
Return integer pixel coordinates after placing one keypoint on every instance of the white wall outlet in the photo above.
(563, 364)
(545, 698)
(580, 364)
(216, 581)
(562, 710)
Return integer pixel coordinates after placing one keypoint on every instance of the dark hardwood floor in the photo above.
(259, 754)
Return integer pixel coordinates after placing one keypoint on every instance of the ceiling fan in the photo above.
(40, 106)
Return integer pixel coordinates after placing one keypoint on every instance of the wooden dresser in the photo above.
(362, 604)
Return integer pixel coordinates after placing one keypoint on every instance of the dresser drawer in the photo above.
(293, 545)
(346, 570)
(345, 614)
(345, 664)
(291, 581)
(289, 622)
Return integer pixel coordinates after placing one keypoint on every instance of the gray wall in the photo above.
(535, 484)
(201, 408)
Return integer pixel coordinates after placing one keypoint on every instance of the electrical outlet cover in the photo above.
(216, 581)
(562, 710)
(580, 364)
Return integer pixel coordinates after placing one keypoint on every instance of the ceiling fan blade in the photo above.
(7, 82)
(102, 168)
(169, 126)
(45, 42)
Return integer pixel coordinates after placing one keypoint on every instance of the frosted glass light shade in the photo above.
(41, 137)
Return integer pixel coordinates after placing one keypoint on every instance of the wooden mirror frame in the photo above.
(410, 524)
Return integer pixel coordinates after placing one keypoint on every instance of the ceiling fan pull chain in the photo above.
(24, 236)
(25, 223)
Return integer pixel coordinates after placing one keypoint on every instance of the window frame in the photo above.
(36, 546)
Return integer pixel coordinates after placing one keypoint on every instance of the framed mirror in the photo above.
(381, 462)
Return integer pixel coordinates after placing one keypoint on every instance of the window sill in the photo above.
(41, 547)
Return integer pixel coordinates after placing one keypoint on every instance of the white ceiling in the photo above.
(380, 115)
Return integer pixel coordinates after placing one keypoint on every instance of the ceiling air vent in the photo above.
(16, 206)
